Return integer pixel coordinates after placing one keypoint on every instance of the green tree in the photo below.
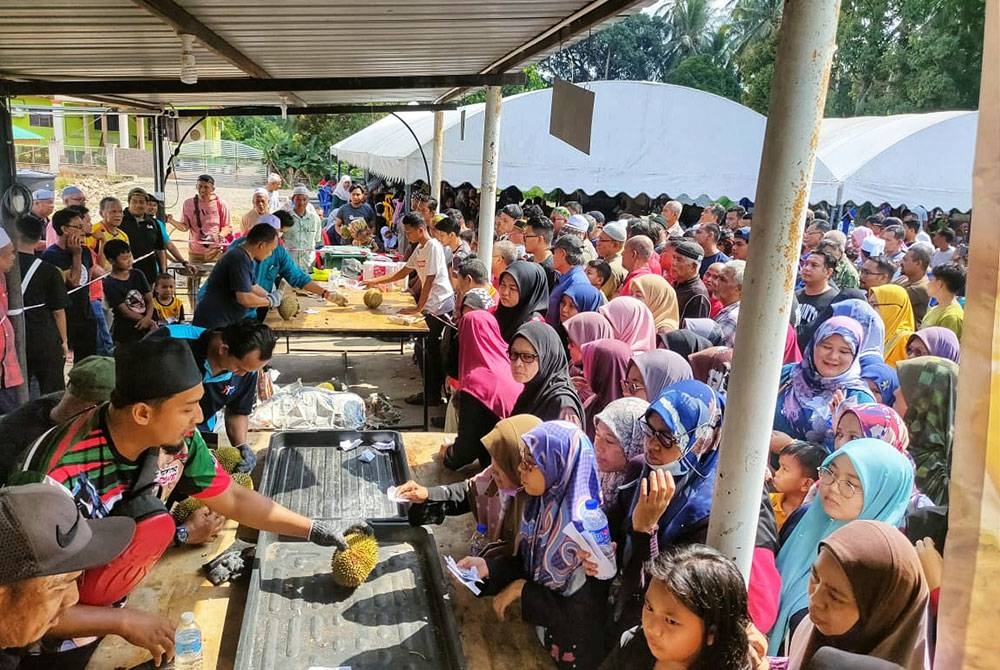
(751, 22)
(691, 25)
(533, 82)
(635, 48)
(706, 74)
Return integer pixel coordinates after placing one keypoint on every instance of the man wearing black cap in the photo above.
(692, 296)
(144, 441)
(45, 548)
(567, 259)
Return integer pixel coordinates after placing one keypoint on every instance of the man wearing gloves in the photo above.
(231, 289)
(110, 459)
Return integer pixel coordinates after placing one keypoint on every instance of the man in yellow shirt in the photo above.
(947, 282)
(108, 228)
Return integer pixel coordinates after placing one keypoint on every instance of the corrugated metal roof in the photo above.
(117, 39)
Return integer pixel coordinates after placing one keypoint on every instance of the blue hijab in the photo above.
(872, 328)
(586, 297)
(886, 483)
(883, 376)
(566, 458)
(692, 411)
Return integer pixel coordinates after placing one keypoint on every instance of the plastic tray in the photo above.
(297, 618)
(308, 473)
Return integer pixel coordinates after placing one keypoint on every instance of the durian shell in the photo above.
(243, 479)
(184, 508)
(228, 457)
(289, 306)
(352, 566)
(373, 298)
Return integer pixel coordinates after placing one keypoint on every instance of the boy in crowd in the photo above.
(598, 272)
(169, 308)
(798, 470)
(71, 256)
(946, 284)
(128, 295)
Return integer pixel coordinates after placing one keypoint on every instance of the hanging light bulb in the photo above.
(189, 67)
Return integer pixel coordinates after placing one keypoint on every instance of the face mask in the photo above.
(677, 468)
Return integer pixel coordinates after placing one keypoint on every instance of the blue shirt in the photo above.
(576, 275)
(234, 273)
(278, 265)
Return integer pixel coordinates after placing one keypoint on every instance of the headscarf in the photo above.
(684, 342)
(566, 459)
(586, 297)
(706, 328)
(622, 418)
(712, 367)
(660, 298)
(939, 341)
(878, 422)
(893, 305)
(551, 390)
(533, 298)
(792, 353)
(805, 397)
(343, 188)
(693, 413)
(480, 343)
(661, 368)
(873, 339)
(929, 385)
(886, 483)
(883, 376)
(588, 327)
(632, 322)
(502, 513)
(562, 211)
(605, 364)
(859, 235)
(890, 591)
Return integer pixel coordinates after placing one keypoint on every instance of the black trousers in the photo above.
(82, 336)
(432, 365)
(47, 368)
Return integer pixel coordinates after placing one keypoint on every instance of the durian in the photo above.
(228, 457)
(326, 386)
(352, 566)
(184, 508)
(373, 298)
(289, 306)
(243, 479)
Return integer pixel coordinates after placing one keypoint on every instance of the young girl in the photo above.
(694, 615)
(169, 308)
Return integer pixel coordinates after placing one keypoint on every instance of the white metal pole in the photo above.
(488, 184)
(798, 95)
(437, 163)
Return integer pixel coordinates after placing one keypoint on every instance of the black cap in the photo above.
(690, 249)
(45, 534)
(743, 233)
(155, 367)
(569, 242)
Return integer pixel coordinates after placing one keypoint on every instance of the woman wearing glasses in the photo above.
(538, 360)
(865, 479)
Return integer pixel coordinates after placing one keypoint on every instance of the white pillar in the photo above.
(58, 125)
(140, 132)
(86, 131)
(123, 138)
(801, 76)
(488, 183)
(437, 163)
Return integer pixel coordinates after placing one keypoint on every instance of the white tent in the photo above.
(647, 138)
(911, 159)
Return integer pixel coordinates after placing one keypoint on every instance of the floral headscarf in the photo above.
(622, 418)
(930, 385)
(566, 459)
(879, 422)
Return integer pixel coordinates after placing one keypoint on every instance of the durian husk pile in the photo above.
(228, 458)
(352, 566)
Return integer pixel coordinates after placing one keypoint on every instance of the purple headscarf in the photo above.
(566, 458)
(587, 327)
(661, 368)
(942, 342)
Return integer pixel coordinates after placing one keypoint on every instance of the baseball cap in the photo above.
(577, 222)
(43, 194)
(71, 190)
(92, 379)
(743, 233)
(569, 243)
(690, 249)
(616, 230)
(873, 246)
(45, 534)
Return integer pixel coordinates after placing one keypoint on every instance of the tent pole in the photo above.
(801, 74)
(839, 209)
(437, 162)
(491, 163)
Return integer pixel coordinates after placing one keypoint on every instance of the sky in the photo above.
(718, 4)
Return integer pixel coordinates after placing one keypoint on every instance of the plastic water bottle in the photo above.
(595, 523)
(479, 540)
(187, 644)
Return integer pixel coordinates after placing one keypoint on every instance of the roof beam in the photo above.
(186, 23)
(248, 85)
(255, 110)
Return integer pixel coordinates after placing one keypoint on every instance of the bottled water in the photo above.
(187, 644)
(479, 540)
(595, 523)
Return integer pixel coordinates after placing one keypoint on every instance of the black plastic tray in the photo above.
(297, 618)
(308, 473)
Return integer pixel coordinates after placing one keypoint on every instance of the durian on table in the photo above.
(352, 566)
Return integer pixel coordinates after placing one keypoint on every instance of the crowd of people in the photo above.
(584, 365)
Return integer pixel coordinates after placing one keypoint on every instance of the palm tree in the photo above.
(752, 21)
(691, 27)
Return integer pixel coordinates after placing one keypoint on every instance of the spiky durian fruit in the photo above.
(243, 479)
(184, 508)
(352, 566)
(289, 306)
(228, 457)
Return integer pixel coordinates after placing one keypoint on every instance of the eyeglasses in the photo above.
(631, 387)
(664, 437)
(524, 357)
(846, 487)
(529, 237)
(527, 463)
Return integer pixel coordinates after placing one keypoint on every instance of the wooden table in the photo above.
(354, 320)
(176, 585)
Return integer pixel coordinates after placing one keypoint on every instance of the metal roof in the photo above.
(113, 40)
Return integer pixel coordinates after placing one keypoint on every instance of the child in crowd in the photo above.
(798, 470)
(128, 295)
(946, 284)
(598, 272)
(169, 308)
(694, 615)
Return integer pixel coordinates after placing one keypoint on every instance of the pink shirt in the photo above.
(214, 217)
(10, 371)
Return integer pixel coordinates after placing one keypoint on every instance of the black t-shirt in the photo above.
(129, 293)
(234, 273)
(46, 288)
(20, 428)
(810, 307)
(78, 305)
(144, 236)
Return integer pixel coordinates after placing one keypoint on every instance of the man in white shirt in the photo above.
(672, 213)
(273, 184)
(437, 300)
(944, 249)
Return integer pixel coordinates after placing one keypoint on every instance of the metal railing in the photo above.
(85, 156)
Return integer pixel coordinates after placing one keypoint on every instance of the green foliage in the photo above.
(703, 73)
(534, 82)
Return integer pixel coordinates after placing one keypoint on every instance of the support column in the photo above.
(59, 125)
(798, 95)
(8, 173)
(86, 132)
(123, 139)
(970, 592)
(140, 132)
(158, 168)
(104, 130)
(488, 183)
(437, 162)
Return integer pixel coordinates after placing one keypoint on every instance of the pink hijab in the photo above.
(588, 327)
(480, 343)
(605, 364)
(632, 322)
(860, 234)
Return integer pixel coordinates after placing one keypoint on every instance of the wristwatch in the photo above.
(180, 536)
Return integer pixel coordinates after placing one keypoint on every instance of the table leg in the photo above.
(423, 368)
